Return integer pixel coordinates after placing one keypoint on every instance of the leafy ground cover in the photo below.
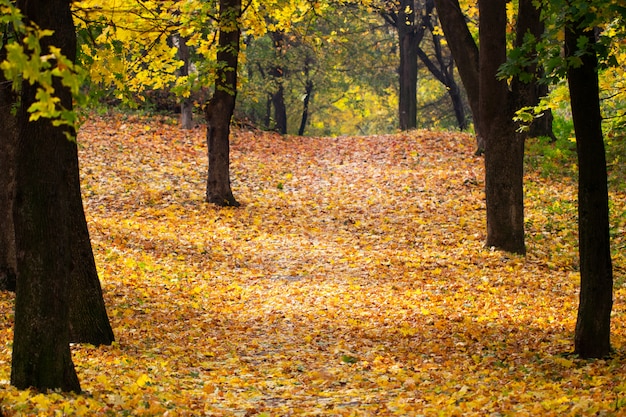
(353, 281)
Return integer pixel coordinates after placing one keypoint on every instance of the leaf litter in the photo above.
(353, 281)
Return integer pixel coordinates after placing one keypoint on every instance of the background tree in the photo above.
(466, 55)
(402, 15)
(441, 65)
(186, 103)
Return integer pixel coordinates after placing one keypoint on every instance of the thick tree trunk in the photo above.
(89, 322)
(408, 40)
(220, 108)
(41, 353)
(8, 141)
(465, 53)
(504, 150)
(593, 326)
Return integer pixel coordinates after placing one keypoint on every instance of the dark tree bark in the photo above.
(308, 92)
(41, 354)
(504, 148)
(278, 73)
(220, 108)
(186, 104)
(408, 40)
(8, 141)
(89, 322)
(592, 338)
(466, 55)
(443, 68)
(280, 110)
(402, 15)
(530, 93)
(267, 120)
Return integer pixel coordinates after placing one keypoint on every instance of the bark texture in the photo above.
(8, 141)
(220, 108)
(278, 74)
(593, 325)
(186, 104)
(504, 148)
(408, 38)
(41, 354)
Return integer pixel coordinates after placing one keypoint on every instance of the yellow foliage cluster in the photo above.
(358, 287)
(127, 44)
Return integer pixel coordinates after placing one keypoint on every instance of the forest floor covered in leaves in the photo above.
(352, 281)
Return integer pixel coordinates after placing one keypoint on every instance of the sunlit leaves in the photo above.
(27, 61)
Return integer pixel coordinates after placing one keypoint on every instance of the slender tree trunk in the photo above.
(186, 104)
(280, 110)
(408, 40)
(530, 92)
(504, 150)
(465, 53)
(41, 354)
(542, 126)
(278, 73)
(220, 108)
(308, 92)
(444, 69)
(457, 103)
(8, 141)
(267, 120)
(593, 326)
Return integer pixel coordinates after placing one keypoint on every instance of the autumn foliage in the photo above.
(353, 281)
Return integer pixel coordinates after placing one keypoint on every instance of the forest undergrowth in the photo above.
(352, 281)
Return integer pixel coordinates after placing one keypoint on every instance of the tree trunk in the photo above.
(529, 93)
(280, 110)
(543, 125)
(504, 149)
(457, 103)
(41, 354)
(408, 40)
(444, 69)
(220, 108)
(308, 92)
(592, 338)
(186, 104)
(8, 141)
(267, 120)
(89, 322)
(465, 53)
(278, 73)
